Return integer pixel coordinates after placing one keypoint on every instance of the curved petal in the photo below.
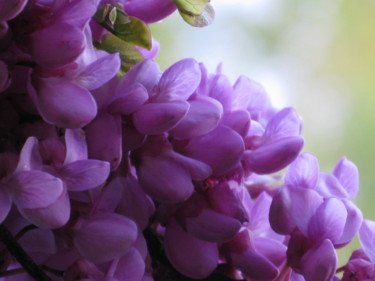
(156, 118)
(131, 266)
(76, 146)
(34, 189)
(191, 256)
(179, 81)
(367, 239)
(149, 10)
(239, 121)
(285, 123)
(57, 45)
(11, 8)
(203, 116)
(304, 171)
(65, 104)
(347, 174)
(118, 231)
(84, 174)
(352, 225)
(5, 204)
(30, 158)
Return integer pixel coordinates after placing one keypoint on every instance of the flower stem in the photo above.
(21, 256)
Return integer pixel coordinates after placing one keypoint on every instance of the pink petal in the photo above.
(304, 171)
(34, 189)
(319, 263)
(84, 174)
(129, 100)
(57, 45)
(104, 138)
(118, 232)
(65, 104)
(156, 118)
(347, 174)
(203, 116)
(179, 81)
(191, 256)
(99, 72)
(328, 222)
(54, 216)
(221, 148)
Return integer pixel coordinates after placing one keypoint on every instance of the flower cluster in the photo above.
(113, 170)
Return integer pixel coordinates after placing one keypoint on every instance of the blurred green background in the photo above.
(315, 55)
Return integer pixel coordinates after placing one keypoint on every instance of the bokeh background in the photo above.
(315, 55)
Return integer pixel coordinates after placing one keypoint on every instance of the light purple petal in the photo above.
(239, 121)
(328, 222)
(221, 148)
(99, 72)
(203, 116)
(304, 204)
(154, 175)
(285, 123)
(11, 8)
(57, 45)
(104, 138)
(304, 171)
(65, 104)
(156, 118)
(353, 223)
(131, 266)
(328, 186)
(280, 215)
(76, 146)
(198, 170)
(5, 204)
(110, 196)
(254, 265)
(34, 189)
(150, 54)
(135, 204)
(150, 10)
(179, 81)
(242, 95)
(347, 174)
(84, 174)
(191, 256)
(221, 90)
(319, 263)
(77, 12)
(118, 231)
(273, 250)
(128, 100)
(273, 157)
(54, 216)
(259, 214)
(367, 238)
(212, 226)
(30, 158)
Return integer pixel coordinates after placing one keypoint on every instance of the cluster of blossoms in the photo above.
(154, 175)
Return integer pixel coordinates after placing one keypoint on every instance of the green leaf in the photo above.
(127, 28)
(191, 7)
(204, 19)
(129, 54)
